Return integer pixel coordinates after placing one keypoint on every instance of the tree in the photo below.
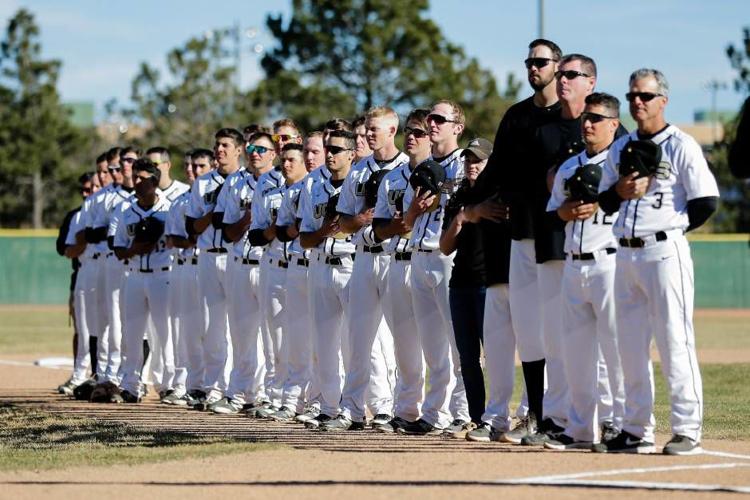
(384, 52)
(202, 98)
(38, 144)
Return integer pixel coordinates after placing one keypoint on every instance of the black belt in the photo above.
(303, 262)
(590, 255)
(373, 249)
(424, 250)
(250, 262)
(334, 261)
(640, 242)
(217, 250)
(96, 256)
(402, 256)
(182, 262)
(165, 268)
(278, 263)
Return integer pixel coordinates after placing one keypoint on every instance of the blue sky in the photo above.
(102, 43)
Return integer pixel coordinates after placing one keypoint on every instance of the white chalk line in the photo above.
(29, 363)
(576, 479)
(726, 455)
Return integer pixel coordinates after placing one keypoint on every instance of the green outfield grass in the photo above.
(36, 440)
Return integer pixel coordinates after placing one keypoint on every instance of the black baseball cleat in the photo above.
(682, 445)
(547, 431)
(316, 422)
(420, 428)
(625, 442)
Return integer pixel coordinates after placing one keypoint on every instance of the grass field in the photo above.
(38, 440)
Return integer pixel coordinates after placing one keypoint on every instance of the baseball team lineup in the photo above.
(345, 282)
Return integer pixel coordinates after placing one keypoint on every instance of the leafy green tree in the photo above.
(39, 147)
(384, 52)
(201, 97)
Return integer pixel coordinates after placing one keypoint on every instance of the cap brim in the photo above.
(476, 152)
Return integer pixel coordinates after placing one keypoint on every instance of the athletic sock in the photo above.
(92, 354)
(146, 352)
(533, 375)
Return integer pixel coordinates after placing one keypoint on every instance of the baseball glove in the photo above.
(149, 230)
(104, 392)
(83, 391)
(640, 156)
(583, 185)
(371, 188)
(429, 177)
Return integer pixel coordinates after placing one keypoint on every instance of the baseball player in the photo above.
(368, 281)
(297, 339)
(184, 302)
(84, 300)
(140, 239)
(588, 278)
(111, 271)
(273, 276)
(315, 154)
(202, 221)
(363, 148)
(445, 406)
(320, 231)
(388, 224)
(658, 178)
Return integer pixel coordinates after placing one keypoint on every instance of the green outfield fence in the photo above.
(31, 272)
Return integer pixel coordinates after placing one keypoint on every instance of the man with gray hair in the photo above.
(659, 181)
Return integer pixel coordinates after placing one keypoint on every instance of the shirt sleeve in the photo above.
(696, 177)
(121, 238)
(75, 228)
(260, 219)
(231, 204)
(610, 174)
(557, 197)
(196, 206)
(382, 210)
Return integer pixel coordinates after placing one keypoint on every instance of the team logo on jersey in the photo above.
(246, 203)
(319, 211)
(663, 170)
(396, 198)
(130, 229)
(273, 212)
(210, 198)
(359, 189)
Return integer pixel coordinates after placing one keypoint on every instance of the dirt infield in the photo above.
(359, 463)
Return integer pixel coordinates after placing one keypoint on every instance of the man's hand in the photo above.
(577, 210)
(364, 218)
(330, 227)
(420, 204)
(491, 210)
(142, 247)
(630, 188)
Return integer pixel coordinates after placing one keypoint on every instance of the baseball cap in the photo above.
(428, 176)
(480, 147)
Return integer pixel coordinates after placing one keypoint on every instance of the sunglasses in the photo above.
(418, 133)
(261, 150)
(538, 62)
(334, 150)
(283, 137)
(113, 168)
(127, 159)
(594, 117)
(643, 96)
(85, 190)
(439, 119)
(569, 74)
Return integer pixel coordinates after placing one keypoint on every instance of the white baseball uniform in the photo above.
(588, 308)
(266, 203)
(430, 273)
(246, 383)
(297, 342)
(654, 283)
(145, 295)
(329, 297)
(367, 288)
(84, 295)
(213, 281)
(409, 390)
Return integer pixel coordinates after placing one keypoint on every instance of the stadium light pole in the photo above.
(541, 18)
(714, 86)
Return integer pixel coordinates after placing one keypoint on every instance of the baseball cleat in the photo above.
(67, 388)
(548, 430)
(682, 445)
(608, 431)
(316, 422)
(484, 434)
(226, 406)
(392, 426)
(284, 414)
(310, 413)
(420, 428)
(340, 423)
(380, 419)
(459, 428)
(625, 442)
(565, 442)
(523, 428)
(126, 397)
